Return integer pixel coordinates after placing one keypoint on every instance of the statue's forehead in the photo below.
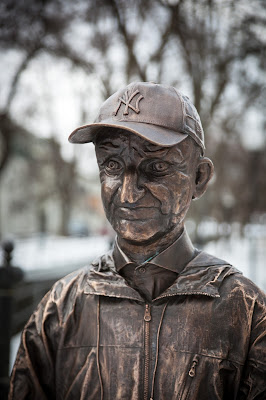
(121, 142)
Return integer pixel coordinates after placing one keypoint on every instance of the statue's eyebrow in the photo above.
(107, 144)
(160, 152)
(151, 147)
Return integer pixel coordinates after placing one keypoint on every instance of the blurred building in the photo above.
(40, 192)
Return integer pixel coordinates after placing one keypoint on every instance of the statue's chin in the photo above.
(142, 233)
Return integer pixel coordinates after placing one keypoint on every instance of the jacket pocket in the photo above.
(190, 376)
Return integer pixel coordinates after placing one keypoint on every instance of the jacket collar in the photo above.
(201, 276)
(166, 259)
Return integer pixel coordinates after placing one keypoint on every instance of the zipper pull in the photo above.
(192, 371)
(147, 314)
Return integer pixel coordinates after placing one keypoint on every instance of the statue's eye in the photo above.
(158, 168)
(113, 166)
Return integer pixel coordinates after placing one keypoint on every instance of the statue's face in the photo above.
(146, 189)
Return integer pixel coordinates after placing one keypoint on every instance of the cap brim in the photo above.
(153, 133)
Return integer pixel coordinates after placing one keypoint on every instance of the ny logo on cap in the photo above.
(126, 100)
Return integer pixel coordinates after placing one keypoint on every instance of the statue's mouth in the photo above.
(137, 213)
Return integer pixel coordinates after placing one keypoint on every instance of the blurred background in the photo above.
(60, 59)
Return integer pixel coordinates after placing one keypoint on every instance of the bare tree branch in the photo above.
(13, 88)
(129, 42)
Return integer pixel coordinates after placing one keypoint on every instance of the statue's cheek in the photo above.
(109, 188)
(182, 196)
(173, 195)
(161, 193)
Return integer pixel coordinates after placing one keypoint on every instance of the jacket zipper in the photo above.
(191, 374)
(192, 371)
(147, 319)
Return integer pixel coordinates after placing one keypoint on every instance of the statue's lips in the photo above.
(137, 213)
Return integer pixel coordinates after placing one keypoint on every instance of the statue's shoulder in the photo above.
(236, 283)
(77, 280)
(205, 259)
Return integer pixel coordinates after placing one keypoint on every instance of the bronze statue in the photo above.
(155, 318)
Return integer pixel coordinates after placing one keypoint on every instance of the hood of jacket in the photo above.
(202, 276)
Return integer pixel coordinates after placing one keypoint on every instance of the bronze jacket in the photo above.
(93, 337)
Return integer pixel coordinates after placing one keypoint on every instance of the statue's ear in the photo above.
(204, 173)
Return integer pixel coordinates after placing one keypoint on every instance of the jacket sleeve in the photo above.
(33, 373)
(253, 384)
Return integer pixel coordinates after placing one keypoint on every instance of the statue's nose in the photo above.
(131, 192)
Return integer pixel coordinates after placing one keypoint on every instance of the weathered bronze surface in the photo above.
(155, 318)
(147, 189)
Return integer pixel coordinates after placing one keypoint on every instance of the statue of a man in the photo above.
(155, 318)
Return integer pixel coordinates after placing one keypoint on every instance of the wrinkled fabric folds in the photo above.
(211, 346)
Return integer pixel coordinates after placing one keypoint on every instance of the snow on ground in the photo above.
(14, 345)
(56, 256)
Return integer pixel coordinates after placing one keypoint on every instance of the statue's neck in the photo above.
(140, 252)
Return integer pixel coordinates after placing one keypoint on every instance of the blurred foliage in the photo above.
(213, 50)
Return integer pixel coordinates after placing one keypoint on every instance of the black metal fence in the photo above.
(18, 299)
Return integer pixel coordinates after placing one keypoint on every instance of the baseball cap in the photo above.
(158, 113)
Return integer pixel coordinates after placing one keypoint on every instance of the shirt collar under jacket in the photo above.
(203, 275)
(166, 259)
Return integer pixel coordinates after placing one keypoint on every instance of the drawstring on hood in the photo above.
(98, 347)
(157, 350)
